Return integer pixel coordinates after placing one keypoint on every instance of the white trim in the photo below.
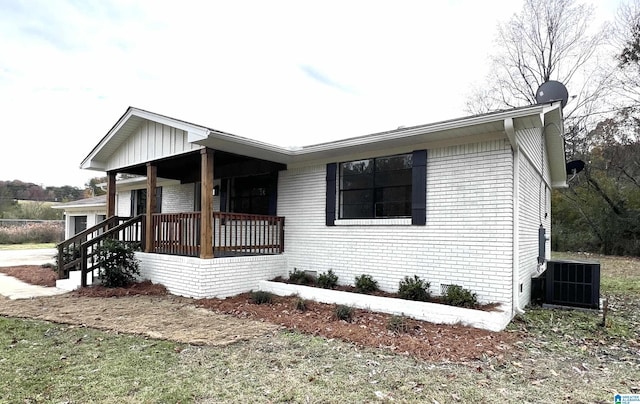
(432, 312)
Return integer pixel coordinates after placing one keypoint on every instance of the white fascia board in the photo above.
(90, 207)
(242, 145)
(93, 165)
(390, 137)
(193, 131)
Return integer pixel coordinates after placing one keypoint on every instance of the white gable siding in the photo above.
(467, 239)
(150, 141)
(534, 208)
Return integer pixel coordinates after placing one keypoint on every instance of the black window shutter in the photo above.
(332, 169)
(419, 188)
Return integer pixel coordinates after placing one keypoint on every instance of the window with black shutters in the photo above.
(376, 188)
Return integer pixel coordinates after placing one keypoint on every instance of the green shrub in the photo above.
(458, 296)
(300, 304)
(414, 289)
(343, 312)
(117, 264)
(328, 280)
(366, 284)
(301, 277)
(261, 297)
(397, 324)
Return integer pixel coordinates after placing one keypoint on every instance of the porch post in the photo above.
(151, 207)
(111, 194)
(206, 205)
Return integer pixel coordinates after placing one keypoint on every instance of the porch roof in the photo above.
(463, 130)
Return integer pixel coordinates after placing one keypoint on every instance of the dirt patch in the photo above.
(163, 317)
(33, 274)
(416, 338)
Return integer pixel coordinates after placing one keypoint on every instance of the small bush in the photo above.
(301, 277)
(118, 266)
(261, 297)
(328, 280)
(398, 324)
(343, 312)
(458, 296)
(300, 304)
(366, 284)
(414, 289)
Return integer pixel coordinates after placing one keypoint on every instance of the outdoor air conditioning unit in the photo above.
(572, 283)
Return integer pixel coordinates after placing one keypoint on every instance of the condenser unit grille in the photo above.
(573, 283)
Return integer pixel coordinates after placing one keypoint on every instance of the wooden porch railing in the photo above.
(78, 252)
(69, 250)
(234, 234)
(131, 231)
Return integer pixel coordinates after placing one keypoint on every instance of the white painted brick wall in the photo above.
(467, 239)
(535, 209)
(218, 277)
(178, 198)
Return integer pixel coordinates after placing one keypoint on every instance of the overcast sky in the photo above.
(289, 73)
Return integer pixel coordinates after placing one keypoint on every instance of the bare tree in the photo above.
(626, 42)
(548, 40)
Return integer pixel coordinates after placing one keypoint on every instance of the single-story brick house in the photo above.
(464, 201)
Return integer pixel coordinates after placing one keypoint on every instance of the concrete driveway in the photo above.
(40, 256)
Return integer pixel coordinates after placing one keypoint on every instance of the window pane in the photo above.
(390, 163)
(393, 209)
(393, 178)
(395, 201)
(357, 204)
(357, 167)
(357, 211)
(357, 181)
(357, 197)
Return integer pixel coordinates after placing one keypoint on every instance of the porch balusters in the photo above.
(234, 234)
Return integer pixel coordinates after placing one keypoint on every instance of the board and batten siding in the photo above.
(150, 141)
(467, 239)
(534, 208)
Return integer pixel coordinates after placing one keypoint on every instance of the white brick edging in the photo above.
(431, 312)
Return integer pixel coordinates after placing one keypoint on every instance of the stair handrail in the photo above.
(84, 247)
(63, 266)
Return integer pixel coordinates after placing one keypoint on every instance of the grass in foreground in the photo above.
(42, 361)
(48, 362)
(27, 246)
(563, 356)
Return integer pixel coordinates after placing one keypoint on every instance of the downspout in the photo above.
(515, 270)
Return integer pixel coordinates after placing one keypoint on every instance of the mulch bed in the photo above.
(368, 329)
(145, 288)
(33, 274)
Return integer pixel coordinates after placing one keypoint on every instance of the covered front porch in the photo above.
(242, 189)
(245, 193)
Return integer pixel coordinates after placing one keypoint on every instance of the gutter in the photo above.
(515, 266)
